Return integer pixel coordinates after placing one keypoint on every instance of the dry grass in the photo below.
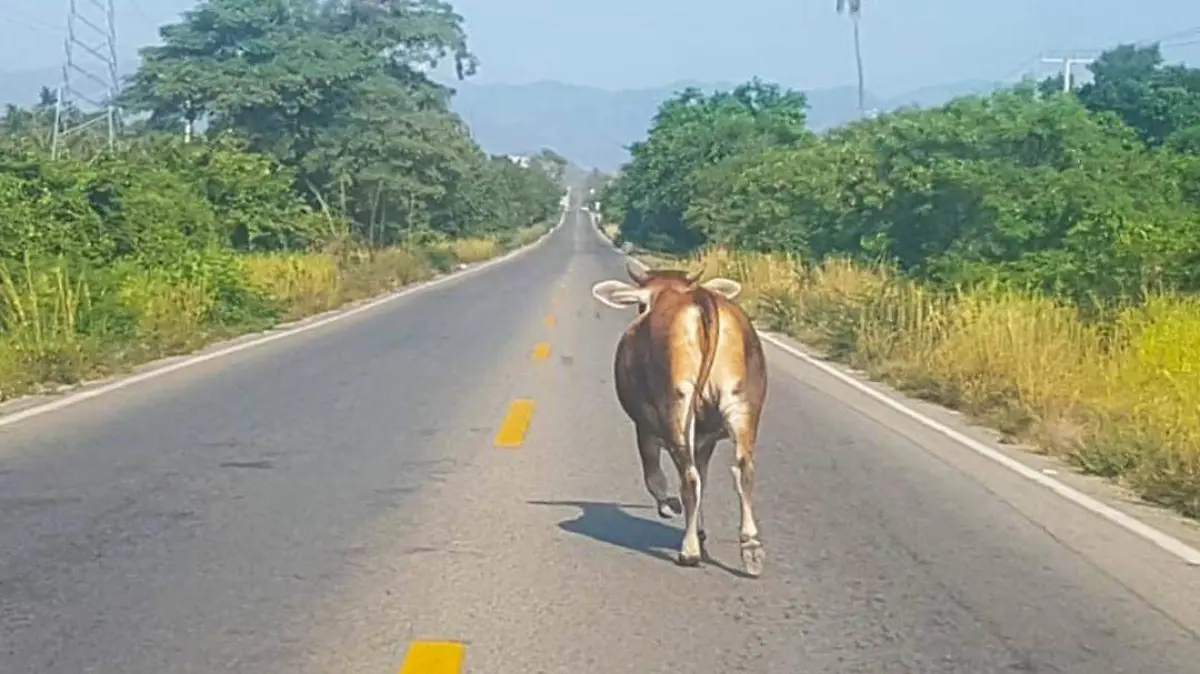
(170, 316)
(39, 331)
(383, 271)
(526, 236)
(304, 283)
(475, 249)
(1120, 400)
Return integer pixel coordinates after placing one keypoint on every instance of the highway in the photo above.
(322, 502)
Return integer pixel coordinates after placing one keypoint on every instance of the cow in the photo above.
(690, 372)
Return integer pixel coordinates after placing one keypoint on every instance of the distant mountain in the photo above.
(593, 126)
(589, 126)
(936, 95)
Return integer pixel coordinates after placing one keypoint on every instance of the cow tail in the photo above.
(710, 329)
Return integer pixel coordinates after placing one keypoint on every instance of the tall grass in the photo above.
(1119, 399)
(525, 236)
(39, 317)
(304, 283)
(472, 250)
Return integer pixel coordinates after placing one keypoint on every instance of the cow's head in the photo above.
(649, 284)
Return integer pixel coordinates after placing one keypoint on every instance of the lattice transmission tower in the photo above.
(89, 71)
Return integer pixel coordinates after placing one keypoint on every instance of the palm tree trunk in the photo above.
(862, 94)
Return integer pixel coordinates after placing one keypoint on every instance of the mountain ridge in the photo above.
(522, 118)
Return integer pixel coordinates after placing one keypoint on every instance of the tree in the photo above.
(334, 89)
(38, 121)
(690, 132)
(1133, 83)
(854, 8)
(552, 163)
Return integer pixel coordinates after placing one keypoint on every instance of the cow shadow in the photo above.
(610, 523)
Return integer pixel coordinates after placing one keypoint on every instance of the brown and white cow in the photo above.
(690, 372)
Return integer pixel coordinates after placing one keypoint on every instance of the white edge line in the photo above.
(1185, 552)
(75, 398)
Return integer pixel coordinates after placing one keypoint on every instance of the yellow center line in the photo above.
(541, 351)
(516, 423)
(549, 320)
(434, 657)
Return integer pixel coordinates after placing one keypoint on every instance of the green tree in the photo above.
(335, 90)
(690, 132)
(1157, 100)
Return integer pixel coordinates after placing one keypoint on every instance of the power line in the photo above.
(1193, 32)
(1025, 68)
(94, 19)
(1067, 62)
(1185, 33)
(1183, 43)
(1189, 36)
(30, 22)
(140, 11)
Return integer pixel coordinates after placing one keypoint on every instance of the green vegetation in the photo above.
(1029, 257)
(331, 169)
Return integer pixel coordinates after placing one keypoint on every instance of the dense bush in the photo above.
(1028, 256)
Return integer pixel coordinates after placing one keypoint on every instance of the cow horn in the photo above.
(694, 276)
(639, 277)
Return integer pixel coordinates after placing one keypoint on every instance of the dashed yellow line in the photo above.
(516, 423)
(434, 657)
(541, 351)
(550, 320)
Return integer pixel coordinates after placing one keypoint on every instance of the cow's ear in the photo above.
(723, 286)
(619, 295)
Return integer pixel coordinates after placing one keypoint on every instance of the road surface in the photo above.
(320, 503)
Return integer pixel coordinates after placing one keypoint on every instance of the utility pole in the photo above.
(91, 32)
(1067, 62)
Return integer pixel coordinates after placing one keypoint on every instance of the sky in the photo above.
(622, 44)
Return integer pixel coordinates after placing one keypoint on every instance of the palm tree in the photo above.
(854, 8)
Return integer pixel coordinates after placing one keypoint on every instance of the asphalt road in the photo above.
(320, 503)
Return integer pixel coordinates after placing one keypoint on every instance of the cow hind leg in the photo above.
(650, 450)
(704, 452)
(690, 487)
(744, 427)
(689, 490)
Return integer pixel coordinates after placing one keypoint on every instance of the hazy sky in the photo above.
(800, 43)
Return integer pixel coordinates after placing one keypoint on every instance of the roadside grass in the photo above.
(60, 326)
(1118, 398)
(471, 250)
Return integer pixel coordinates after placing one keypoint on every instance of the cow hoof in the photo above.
(670, 508)
(752, 558)
(687, 560)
